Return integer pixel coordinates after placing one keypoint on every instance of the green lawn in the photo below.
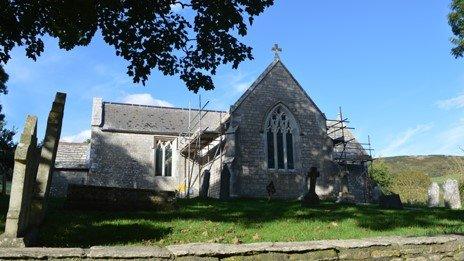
(244, 220)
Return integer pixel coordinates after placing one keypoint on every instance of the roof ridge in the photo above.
(254, 84)
(263, 75)
(303, 90)
(160, 107)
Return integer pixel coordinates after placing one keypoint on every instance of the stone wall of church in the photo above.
(61, 179)
(215, 177)
(313, 148)
(187, 170)
(125, 160)
(358, 184)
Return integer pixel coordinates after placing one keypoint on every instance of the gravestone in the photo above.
(32, 178)
(390, 201)
(17, 229)
(205, 184)
(433, 195)
(271, 190)
(376, 193)
(47, 159)
(344, 196)
(311, 198)
(451, 194)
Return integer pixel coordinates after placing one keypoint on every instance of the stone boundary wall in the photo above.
(449, 247)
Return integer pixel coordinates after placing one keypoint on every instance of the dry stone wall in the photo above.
(449, 247)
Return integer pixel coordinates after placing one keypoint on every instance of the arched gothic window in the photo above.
(163, 158)
(281, 130)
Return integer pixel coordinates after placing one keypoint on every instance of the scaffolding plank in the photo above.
(199, 141)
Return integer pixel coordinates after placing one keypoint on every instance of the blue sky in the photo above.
(387, 63)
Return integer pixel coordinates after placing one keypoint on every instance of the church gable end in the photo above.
(277, 86)
(275, 72)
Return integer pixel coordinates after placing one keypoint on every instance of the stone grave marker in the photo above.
(22, 187)
(376, 193)
(271, 190)
(47, 159)
(451, 194)
(390, 201)
(433, 195)
(344, 195)
(311, 198)
(32, 178)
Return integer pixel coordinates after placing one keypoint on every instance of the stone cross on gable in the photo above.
(276, 49)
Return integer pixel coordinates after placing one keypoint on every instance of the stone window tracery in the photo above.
(163, 158)
(280, 132)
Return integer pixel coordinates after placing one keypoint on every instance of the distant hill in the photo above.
(438, 167)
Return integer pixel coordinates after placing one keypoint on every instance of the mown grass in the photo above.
(239, 220)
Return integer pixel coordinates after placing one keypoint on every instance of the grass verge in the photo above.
(238, 221)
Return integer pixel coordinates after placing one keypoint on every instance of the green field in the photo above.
(239, 221)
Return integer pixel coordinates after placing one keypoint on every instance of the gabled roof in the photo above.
(71, 155)
(262, 77)
(133, 118)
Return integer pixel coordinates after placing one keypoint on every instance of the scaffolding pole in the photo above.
(198, 138)
(348, 145)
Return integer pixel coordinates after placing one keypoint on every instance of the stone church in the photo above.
(273, 132)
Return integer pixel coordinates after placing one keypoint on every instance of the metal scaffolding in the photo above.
(196, 142)
(347, 150)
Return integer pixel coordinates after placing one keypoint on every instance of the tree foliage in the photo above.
(380, 175)
(411, 186)
(6, 136)
(456, 21)
(148, 34)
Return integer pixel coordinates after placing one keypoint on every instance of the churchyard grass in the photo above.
(238, 220)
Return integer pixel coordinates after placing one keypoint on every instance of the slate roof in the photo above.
(135, 118)
(73, 156)
(353, 151)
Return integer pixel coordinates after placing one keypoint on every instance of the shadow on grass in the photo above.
(87, 228)
(88, 234)
(252, 212)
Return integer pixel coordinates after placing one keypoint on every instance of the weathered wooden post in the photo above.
(17, 225)
(47, 159)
